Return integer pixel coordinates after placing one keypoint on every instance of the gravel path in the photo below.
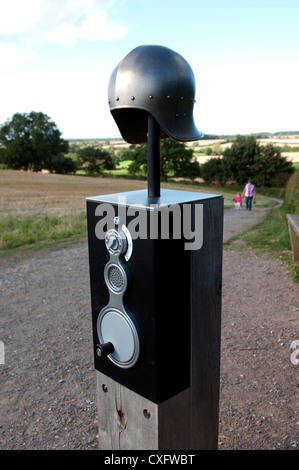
(47, 384)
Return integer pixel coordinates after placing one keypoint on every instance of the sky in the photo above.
(56, 57)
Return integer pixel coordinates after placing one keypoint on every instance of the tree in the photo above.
(138, 155)
(212, 171)
(247, 159)
(62, 165)
(32, 142)
(95, 160)
(271, 168)
(239, 160)
(175, 160)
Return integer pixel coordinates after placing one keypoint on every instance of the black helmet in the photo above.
(155, 80)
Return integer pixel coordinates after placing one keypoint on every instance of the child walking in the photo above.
(238, 201)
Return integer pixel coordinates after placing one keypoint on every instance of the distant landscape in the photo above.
(287, 141)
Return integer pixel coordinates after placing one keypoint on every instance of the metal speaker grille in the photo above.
(116, 278)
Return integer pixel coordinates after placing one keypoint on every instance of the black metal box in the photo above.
(152, 272)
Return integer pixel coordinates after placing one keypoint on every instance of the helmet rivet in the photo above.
(182, 98)
(132, 98)
(117, 98)
(185, 114)
(168, 97)
(150, 97)
(177, 115)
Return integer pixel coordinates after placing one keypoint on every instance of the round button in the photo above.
(117, 328)
(112, 243)
(115, 242)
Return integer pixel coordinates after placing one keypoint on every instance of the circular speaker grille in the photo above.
(116, 277)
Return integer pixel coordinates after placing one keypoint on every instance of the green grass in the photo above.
(36, 232)
(124, 164)
(272, 237)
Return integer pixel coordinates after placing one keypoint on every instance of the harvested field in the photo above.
(26, 193)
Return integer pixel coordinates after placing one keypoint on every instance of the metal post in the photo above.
(153, 157)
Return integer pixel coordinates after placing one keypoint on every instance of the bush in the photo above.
(175, 160)
(95, 160)
(62, 165)
(212, 171)
(291, 201)
(247, 159)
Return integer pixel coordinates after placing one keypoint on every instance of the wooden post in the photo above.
(293, 223)
(129, 421)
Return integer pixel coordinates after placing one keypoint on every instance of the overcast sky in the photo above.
(56, 56)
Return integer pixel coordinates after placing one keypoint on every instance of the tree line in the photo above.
(246, 158)
(32, 141)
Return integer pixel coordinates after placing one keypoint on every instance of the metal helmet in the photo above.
(155, 80)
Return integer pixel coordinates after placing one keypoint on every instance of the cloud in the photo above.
(96, 27)
(17, 17)
(63, 22)
(11, 55)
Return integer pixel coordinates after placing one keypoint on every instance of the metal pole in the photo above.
(153, 157)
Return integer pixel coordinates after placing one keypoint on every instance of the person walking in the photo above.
(238, 200)
(249, 193)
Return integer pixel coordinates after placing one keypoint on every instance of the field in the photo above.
(290, 141)
(39, 210)
(27, 193)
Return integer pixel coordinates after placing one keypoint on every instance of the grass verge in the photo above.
(37, 232)
(272, 237)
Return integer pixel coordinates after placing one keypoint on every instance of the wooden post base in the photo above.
(127, 421)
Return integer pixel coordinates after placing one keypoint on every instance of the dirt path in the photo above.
(47, 384)
(237, 222)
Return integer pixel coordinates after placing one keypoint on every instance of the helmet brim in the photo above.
(132, 124)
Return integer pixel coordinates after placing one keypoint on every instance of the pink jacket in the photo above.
(249, 190)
